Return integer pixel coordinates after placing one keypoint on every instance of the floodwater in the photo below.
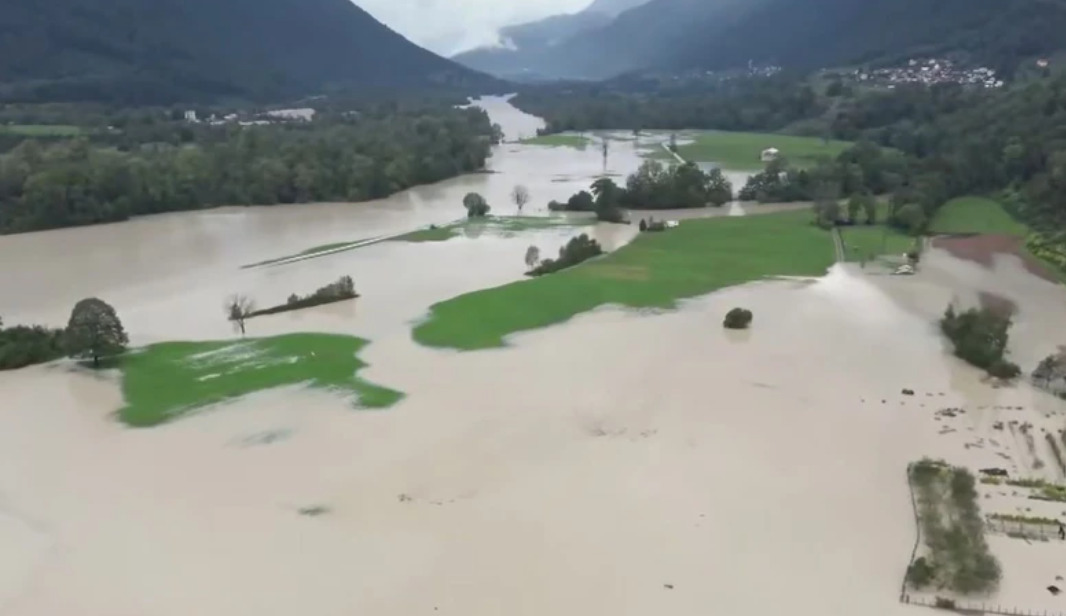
(620, 463)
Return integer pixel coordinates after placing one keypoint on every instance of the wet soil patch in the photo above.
(983, 248)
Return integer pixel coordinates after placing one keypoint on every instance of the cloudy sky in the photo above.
(450, 26)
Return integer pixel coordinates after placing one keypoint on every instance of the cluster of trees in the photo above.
(652, 187)
(93, 332)
(605, 200)
(979, 336)
(353, 157)
(578, 249)
(657, 187)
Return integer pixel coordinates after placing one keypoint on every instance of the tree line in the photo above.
(93, 332)
(346, 157)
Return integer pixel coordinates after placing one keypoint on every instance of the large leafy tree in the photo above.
(95, 331)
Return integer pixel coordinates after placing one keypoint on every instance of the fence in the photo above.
(979, 608)
(1024, 530)
(1037, 531)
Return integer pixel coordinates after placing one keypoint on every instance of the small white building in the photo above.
(770, 154)
(190, 116)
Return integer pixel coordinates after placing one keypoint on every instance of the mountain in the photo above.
(614, 8)
(162, 51)
(822, 33)
(616, 36)
(525, 45)
(674, 35)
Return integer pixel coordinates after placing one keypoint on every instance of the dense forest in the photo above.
(353, 156)
(137, 53)
(735, 104)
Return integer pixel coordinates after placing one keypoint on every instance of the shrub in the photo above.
(22, 346)
(738, 318)
(578, 249)
(921, 573)
(1004, 369)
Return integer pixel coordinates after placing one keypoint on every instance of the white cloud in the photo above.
(450, 26)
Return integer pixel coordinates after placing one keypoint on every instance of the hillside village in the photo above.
(928, 71)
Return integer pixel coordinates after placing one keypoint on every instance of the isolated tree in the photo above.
(520, 196)
(476, 206)
(238, 309)
(94, 331)
(532, 256)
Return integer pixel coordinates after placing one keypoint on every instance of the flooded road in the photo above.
(620, 463)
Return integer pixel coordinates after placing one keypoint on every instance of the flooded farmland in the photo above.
(619, 463)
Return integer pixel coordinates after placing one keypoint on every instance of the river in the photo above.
(620, 463)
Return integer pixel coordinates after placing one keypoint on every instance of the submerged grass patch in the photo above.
(164, 381)
(559, 140)
(981, 215)
(502, 225)
(744, 150)
(655, 270)
(312, 251)
(864, 242)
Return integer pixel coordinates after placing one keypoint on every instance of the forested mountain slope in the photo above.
(822, 33)
(673, 35)
(161, 51)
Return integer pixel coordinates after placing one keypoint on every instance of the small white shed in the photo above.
(770, 154)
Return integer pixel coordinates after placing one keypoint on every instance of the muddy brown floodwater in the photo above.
(620, 463)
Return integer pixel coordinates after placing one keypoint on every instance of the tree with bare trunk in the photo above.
(238, 309)
(520, 196)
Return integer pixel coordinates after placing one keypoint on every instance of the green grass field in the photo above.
(165, 381)
(42, 130)
(655, 270)
(499, 225)
(559, 141)
(743, 150)
(863, 243)
(975, 215)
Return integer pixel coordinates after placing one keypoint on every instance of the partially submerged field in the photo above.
(164, 381)
(505, 226)
(744, 150)
(866, 242)
(655, 270)
(565, 140)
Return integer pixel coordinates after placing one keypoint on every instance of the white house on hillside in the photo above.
(770, 154)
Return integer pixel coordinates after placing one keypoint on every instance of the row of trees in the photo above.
(350, 157)
(93, 332)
